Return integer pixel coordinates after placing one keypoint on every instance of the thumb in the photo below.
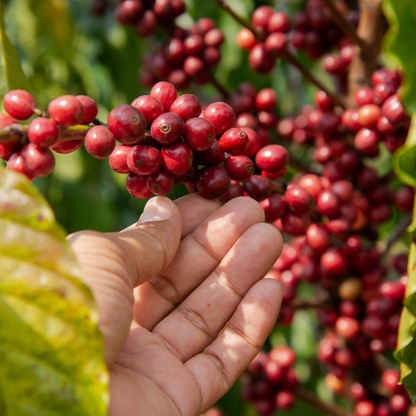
(150, 246)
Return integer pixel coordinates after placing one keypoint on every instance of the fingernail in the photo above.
(157, 209)
(282, 286)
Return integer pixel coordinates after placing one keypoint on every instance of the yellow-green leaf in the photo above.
(51, 351)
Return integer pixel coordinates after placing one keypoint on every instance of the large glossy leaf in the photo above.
(11, 74)
(399, 43)
(51, 351)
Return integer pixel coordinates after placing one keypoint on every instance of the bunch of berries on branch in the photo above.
(164, 140)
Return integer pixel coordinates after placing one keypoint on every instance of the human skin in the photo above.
(183, 304)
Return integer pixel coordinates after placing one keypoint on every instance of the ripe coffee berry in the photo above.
(234, 140)
(266, 100)
(239, 167)
(136, 185)
(38, 161)
(186, 106)
(274, 207)
(167, 128)
(7, 150)
(272, 158)
(127, 124)
(222, 117)
(213, 156)
(177, 158)
(253, 142)
(160, 182)
(43, 132)
(100, 142)
(144, 160)
(118, 159)
(90, 108)
(66, 110)
(213, 182)
(16, 164)
(165, 93)
(199, 133)
(19, 104)
(257, 187)
(150, 107)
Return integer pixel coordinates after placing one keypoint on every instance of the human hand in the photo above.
(191, 276)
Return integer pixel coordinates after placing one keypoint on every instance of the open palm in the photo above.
(183, 305)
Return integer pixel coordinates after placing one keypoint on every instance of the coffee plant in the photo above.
(335, 174)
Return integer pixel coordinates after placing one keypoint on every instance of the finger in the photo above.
(196, 322)
(114, 263)
(198, 255)
(217, 368)
(194, 210)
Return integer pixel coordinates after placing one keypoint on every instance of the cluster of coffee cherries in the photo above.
(270, 381)
(312, 30)
(164, 140)
(186, 56)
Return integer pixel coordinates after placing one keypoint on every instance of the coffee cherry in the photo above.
(137, 186)
(8, 149)
(16, 164)
(328, 203)
(38, 161)
(193, 66)
(199, 133)
(177, 158)
(6, 120)
(214, 38)
(150, 107)
(213, 182)
(128, 11)
(364, 96)
(392, 290)
(160, 182)
(66, 110)
(118, 159)
(99, 142)
(43, 132)
(358, 392)
(278, 22)
(67, 146)
(266, 100)
(143, 160)
(165, 93)
(274, 207)
(390, 380)
(257, 187)
(385, 75)
(298, 199)
(146, 25)
(368, 115)
(246, 39)
(393, 110)
(272, 158)
(317, 237)
(274, 373)
(239, 167)
(186, 106)
(127, 124)
(276, 44)
(403, 198)
(294, 224)
(261, 60)
(382, 92)
(350, 288)
(261, 16)
(311, 183)
(90, 108)
(365, 408)
(373, 326)
(222, 117)
(284, 400)
(283, 356)
(333, 262)
(19, 104)
(167, 128)
(234, 140)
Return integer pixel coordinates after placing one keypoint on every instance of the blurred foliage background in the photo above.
(64, 49)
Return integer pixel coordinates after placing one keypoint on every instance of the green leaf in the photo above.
(398, 43)
(11, 74)
(51, 350)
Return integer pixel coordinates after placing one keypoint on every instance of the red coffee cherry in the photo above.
(298, 199)
(167, 128)
(150, 107)
(186, 106)
(318, 237)
(143, 160)
(43, 132)
(295, 224)
(222, 117)
(165, 93)
(246, 39)
(19, 104)
(67, 146)
(146, 25)
(39, 161)
(199, 133)
(136, 186)
(100, 142)
(213, 182)
(239, 167)
(16, 164)
(234, 140)
(278, 22)
(160, 182)
(261, 60)
(177, 158)
(272, 158)
(213, 156)
(128, 11)
(127, 124)
(90, 108)
(66, 110)
(253, 142)
(8, 149)
(118, 159)
(274, 207)
(257, 187)
(333, 262)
